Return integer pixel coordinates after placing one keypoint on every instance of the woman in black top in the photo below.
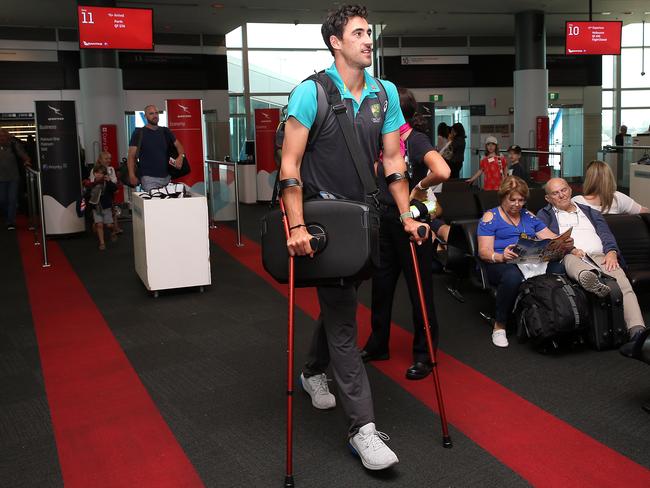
(455, 162)
(395, 258)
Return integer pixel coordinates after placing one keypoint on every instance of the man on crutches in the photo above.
(323, 170)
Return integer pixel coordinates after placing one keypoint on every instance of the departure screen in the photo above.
(593, 37)
(115, 28)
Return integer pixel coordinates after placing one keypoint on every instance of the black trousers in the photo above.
(395, 259)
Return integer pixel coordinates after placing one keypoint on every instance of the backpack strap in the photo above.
(138, 139)
(339, 109)
(571, 295)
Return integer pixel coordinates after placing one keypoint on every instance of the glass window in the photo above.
(608, 133)
(269, 101)
(608, 98)
(632, 35)
(637, 120)
(237, 136)
(281, 71)
(235, 71)
(631, 69)
(233, 38)
(237, 105)
(608, 71)
(290, 36)
(635, 98)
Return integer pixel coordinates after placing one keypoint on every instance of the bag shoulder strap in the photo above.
(139, 135)
(338, 107)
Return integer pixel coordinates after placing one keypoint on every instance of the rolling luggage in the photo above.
(607, 328)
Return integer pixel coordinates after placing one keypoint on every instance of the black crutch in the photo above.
(446, 439)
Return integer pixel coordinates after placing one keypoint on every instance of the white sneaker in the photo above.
(316, 387)
(369, 445)
(499, 338)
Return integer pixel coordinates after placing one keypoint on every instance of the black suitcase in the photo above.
(350, 250)
(607, 329)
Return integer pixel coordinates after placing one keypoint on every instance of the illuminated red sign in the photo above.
(593, 37)
(115, 28)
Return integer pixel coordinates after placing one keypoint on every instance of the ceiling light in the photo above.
(217, 5)
(605, 13)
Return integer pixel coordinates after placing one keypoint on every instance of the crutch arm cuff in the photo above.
(392, 178)
(288, 183)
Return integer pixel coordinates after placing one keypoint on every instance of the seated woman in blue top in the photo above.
(498, 232)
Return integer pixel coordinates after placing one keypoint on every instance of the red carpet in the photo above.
(108, 431)
(538, 446)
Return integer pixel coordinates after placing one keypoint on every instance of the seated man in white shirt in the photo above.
(592, 236)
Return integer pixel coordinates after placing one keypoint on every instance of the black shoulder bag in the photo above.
(347, 230)
(173, 171)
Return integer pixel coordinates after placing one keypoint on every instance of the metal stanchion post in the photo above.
(30, 202)
(211, 197)
(32, 197)
(39, 185)
(239, 243)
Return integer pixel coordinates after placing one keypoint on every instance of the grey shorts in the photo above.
(103, 215)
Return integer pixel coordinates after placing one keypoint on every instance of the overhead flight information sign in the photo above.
(584, 37)
(115, 28)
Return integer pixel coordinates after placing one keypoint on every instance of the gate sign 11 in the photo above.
(584, 37)
(115, 28)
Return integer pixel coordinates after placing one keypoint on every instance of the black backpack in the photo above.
(327, 95)
(551, 311)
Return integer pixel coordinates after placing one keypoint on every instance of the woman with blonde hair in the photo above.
(105, 159)
(599, 192)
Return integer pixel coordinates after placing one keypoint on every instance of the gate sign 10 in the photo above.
(115, 28)
(584, 37)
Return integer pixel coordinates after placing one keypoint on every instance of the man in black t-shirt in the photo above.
(150, 146)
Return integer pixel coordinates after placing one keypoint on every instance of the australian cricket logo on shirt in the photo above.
(375, 108)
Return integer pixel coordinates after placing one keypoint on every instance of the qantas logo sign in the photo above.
(57, 113)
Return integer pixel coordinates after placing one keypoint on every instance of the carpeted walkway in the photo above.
(213, 364)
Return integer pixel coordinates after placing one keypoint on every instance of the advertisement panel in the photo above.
(185, 119)
(543, 172)
(266, 122)
(58, 150)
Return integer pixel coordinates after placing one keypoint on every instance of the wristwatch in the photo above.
(405, 215)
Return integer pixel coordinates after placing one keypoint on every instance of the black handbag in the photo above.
(176, 173)
(347, 231)
(348, 235)
(173, 171)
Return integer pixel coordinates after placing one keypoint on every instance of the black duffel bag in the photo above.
(551, 311)
(348, 243)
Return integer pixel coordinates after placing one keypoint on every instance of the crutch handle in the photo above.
(316, 244)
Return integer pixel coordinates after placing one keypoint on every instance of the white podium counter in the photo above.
(640, 183)
(170, 242)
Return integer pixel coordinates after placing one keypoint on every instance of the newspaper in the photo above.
(541, 250)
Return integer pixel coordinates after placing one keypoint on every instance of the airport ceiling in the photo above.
(403, 17)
